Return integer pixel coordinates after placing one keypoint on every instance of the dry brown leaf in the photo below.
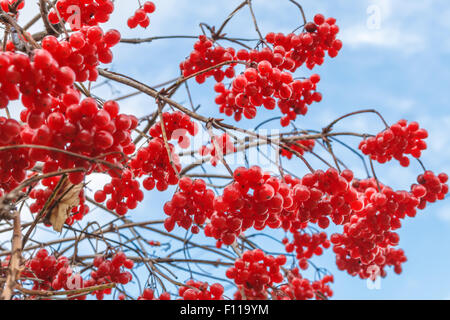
(69, 194)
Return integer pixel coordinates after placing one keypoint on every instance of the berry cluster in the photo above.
(125, 193)
(36, 79)
(254, 273)
(109, 270)
(254, 199)
(290, 204)
(84, 51)
(430, 188)
(299, 288)
(396, 142)
(176, 125)
(54, 116)
(201, 291)
(318, 197)
(394, 258)
(368, 236)
(306, 245)
(46, 268)
(149, 294)
(310, 46)
(267, 78)
(54, 274)
(88, 12)
(300, 146)
(154, 161)
(225, 145)
(205, 56)
(192, 203)
(5, 4)
(268, 74)
(141, 17)
(66, 279)
(82, 128)
(13, 163)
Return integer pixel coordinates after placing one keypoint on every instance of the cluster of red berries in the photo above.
(154, 162)
(368, 235)
(45, 268)
(53, 113)
(204, 56)
(125, 193)
(394, 258)
(386, 256)
(430, 188)
(368, 216)
(225, 145)
(299, 288)
(306, 245)
(41, 195)
(254, 273)
(149, 294)
(13, 163)
(192, 203)
(79, 13)
(5, 4)
(239, 208)
(141, 17)
(94, 128)
(319, 196)
(300, 146)
(290, 204)
(36, 79)
(396, 142)
(53, 274)
(268, 73)
(55, 117)
(84, 51)
(109, 270)
(310, 46)
(267, 77)
(177, 126)
(66, 279)
(201, 291)
(83, 128)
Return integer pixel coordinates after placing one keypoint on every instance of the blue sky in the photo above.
(400, 68)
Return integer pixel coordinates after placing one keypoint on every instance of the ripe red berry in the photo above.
(149, 7)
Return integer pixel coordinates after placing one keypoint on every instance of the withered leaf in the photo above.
(67, 198)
